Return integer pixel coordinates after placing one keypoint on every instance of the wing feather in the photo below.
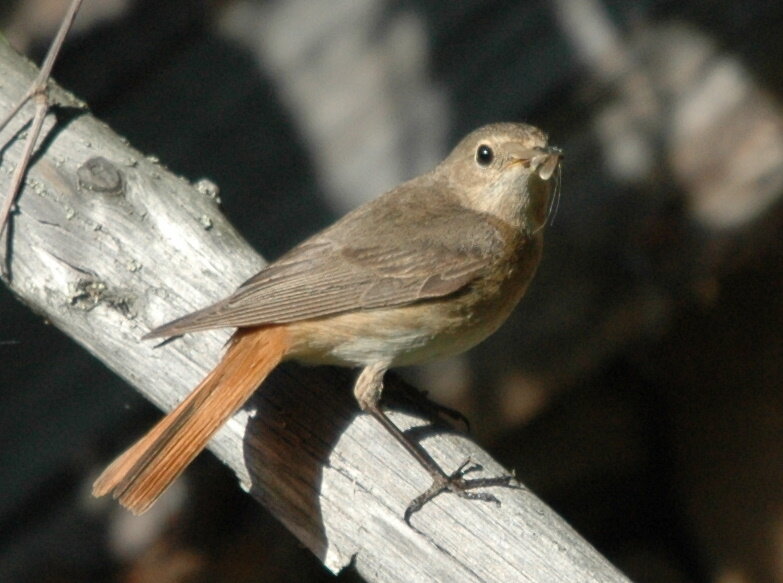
(429, 251)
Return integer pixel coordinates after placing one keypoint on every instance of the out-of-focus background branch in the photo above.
(637, 388)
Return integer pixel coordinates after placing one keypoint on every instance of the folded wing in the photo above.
(403, 259)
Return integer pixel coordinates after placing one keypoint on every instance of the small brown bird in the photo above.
(427, 270)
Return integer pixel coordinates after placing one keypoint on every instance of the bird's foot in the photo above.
(456, 483)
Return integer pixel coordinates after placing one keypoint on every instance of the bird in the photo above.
(425, 271)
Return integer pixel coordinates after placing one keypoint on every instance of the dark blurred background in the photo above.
(637, 389)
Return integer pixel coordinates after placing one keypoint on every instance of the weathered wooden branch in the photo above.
(105, 243)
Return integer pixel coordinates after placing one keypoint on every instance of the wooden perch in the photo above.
(105, 244)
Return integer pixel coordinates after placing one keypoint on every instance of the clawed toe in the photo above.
(456, 483)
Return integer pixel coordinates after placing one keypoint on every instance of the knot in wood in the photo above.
(101, 176)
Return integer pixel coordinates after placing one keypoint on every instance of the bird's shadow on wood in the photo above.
(300, 415)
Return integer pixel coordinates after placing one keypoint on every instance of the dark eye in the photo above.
(484, 155)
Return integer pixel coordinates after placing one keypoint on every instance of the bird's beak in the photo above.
(543, 161)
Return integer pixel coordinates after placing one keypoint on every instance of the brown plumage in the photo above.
(429, 269)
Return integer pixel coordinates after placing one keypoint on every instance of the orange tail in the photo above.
(140, 475)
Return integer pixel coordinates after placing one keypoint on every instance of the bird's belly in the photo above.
(399, 336)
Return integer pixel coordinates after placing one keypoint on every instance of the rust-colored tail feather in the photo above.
(140, 475)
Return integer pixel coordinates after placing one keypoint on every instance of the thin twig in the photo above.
(37, 91)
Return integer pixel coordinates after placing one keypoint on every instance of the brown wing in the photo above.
(375, 257)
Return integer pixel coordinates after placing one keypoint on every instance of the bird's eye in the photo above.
(484, 155)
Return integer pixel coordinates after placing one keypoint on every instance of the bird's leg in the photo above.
(367, 390)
